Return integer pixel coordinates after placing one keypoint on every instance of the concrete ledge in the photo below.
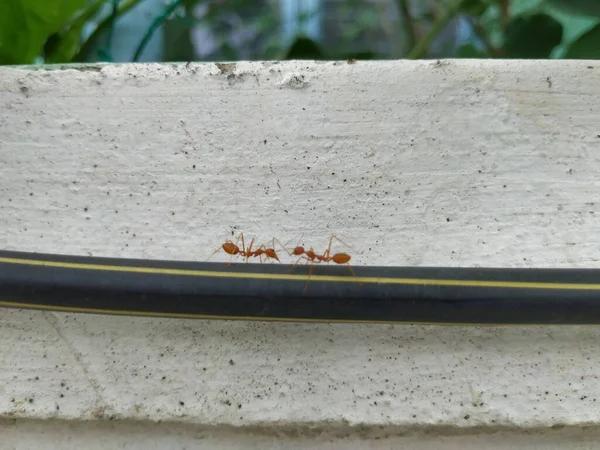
(103, 435)
(451, 163)
(108, 434)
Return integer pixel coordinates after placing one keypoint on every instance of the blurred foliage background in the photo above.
(67, 31)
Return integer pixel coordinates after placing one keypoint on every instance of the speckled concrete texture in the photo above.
(238, 373)
(451, 163)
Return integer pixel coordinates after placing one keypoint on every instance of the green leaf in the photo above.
(577, 7)
(63, 47)
(477, 8)
(532, 37)
(14, 37)
(474, 7)
(587, 46)
(524, 7)
(104, 27)
(304, 48)
(26, 25)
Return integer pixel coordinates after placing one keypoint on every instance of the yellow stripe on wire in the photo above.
(167, 315)
(264, 276)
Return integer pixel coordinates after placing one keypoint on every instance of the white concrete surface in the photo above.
(470, 163)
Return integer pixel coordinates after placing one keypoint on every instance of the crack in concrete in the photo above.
(51, 319)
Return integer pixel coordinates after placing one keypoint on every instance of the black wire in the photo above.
(281, 292)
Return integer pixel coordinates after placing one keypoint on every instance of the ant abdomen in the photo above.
(341, 258)
(271, 253)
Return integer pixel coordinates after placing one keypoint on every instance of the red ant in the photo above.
(232, 249)
(311, 256)
(263, 250)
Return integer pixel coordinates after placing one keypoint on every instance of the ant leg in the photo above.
(241, 252)
(360, 283)
(266, 252)
(230, 260)
(301, 236)
(348, 264)
(297, 261)
(327, 252)
(260, 252)
(274, 255)
(231, 255)
(249, 249)
(215, 252)
(281, 245)
(301, 255)
(241, 235)
(221, 248)
(310, 269)
(308, 261)
(340, 241)
(272, 248)
(286, 244)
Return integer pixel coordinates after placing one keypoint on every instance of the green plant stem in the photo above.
(111, 30)
(410, 32)
(156, 23)
(505, 13)
(87, 46)
(58, 52)
(85, 17)
(421, 47)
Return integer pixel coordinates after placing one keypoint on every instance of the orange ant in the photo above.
(232, 249)
(262, 250)
(311, 256)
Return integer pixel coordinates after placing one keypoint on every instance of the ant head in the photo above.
(298, 251)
